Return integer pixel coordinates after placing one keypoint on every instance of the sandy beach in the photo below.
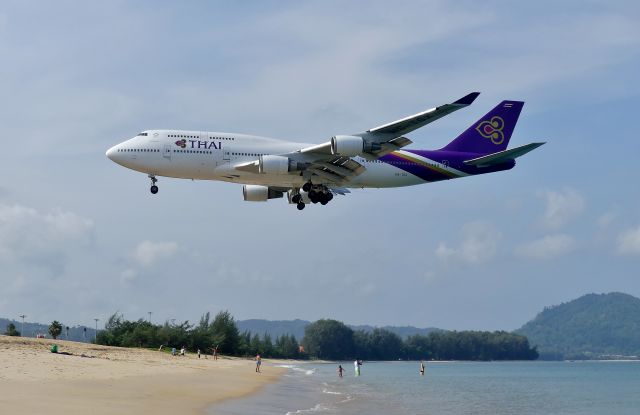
(110, 380)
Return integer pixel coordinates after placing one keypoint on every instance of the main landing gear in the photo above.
(316, 194)
(154, 188)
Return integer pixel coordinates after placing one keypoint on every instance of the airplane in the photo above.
(313, 173)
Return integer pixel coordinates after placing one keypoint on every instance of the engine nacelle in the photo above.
(255, 193)
(347, 145)
(269, 164)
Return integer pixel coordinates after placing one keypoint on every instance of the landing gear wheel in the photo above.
(154, 188)
(295, 198)
(300, 206)
(325, 197)
(306, 187)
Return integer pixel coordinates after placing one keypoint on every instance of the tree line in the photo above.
(220, 332)
(333, 340)
(323, 339)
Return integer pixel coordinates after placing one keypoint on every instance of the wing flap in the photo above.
(390, 147)
(337, 169)
(502, 156)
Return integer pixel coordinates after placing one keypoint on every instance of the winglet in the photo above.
(467, 99)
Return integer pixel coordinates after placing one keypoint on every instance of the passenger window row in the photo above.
(248, 154)
(194, 136)
(153, 150)
(183, 136)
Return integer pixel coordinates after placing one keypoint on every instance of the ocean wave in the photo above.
(325, 390)
(349, 398)
(317, 408)
(297, 368)
(303, 370)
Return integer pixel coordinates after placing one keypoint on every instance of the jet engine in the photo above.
(347, 145)
(255, 193)
(269, 164)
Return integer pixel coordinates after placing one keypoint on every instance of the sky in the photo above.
(82, 238)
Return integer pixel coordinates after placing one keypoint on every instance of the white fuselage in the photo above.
(213, 156)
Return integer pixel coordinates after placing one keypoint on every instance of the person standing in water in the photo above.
(422, 368)
(340, 370)
(356, 366)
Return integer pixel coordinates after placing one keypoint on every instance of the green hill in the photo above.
(590, 327)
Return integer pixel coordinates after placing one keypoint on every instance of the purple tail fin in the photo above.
(490, 133)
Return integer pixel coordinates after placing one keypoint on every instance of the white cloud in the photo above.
(128, 275)
(27, 234)
(148, 252)
(562, 207)
(549, 246)
(629, 242)
(479, 244)
(605, 220)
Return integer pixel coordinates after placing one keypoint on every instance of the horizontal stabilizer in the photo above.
(502, 156)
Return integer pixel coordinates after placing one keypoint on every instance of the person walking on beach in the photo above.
(340, 370)
(422, 368)
(258, 363)
(215, 353)
(198, 353)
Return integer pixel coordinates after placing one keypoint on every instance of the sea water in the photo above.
(397, 388)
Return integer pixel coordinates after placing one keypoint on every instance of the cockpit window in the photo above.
(142, 134)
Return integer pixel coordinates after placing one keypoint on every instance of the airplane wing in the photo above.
(389, 137)
(413, 122)
(332, 166)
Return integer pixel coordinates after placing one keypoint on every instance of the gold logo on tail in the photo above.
(492, 129)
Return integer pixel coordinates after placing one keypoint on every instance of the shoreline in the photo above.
(106, 380)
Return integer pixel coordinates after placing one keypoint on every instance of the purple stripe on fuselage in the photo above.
(419, 170)
(453, 159)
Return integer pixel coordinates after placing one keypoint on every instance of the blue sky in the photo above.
(81, 237)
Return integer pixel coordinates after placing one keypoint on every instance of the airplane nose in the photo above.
(111, 153)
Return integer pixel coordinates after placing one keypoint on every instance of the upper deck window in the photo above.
(143, 134)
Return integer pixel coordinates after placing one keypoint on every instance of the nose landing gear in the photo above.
(154, 188)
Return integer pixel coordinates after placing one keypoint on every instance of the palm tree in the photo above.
(55, 329)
